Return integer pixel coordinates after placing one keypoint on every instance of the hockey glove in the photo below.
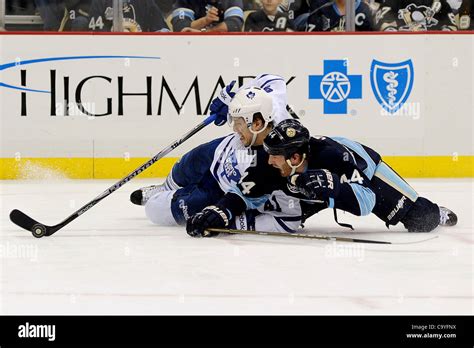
(220, 104)
(319, 184)
(212, 216)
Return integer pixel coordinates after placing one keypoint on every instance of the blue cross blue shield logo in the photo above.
(335, 87)
(391, 83)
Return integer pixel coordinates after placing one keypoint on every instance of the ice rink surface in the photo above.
(111, 260)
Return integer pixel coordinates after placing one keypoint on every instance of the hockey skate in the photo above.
(447, 217)
(141, 196)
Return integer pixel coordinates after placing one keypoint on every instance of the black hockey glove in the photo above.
(212, 216)
(319, 184)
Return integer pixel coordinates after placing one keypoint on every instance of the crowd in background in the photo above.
(248, 15)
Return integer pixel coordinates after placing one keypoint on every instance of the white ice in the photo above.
(111, 260)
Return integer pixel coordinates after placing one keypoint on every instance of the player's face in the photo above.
(240, 127)
(280, 163)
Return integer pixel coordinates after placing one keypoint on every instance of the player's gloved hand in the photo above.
(319, 184)
(212, 216)
(220, 104)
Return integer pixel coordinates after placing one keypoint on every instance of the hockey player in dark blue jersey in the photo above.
(340, 173)
(207, 15)
(330, 16)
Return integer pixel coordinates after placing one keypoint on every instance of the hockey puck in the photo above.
(38, 230)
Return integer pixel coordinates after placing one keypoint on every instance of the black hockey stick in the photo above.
(39, 230)
(310, 236)
(292, 112)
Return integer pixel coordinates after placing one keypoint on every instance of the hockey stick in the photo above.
(292, 112)
(310, 236)
(39, 230)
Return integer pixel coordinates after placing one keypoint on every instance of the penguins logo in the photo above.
(290, 132)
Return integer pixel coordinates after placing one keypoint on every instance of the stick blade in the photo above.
(21, 219)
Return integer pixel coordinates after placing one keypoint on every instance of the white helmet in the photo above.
(249, 101)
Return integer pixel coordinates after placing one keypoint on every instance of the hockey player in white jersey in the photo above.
(228, 182)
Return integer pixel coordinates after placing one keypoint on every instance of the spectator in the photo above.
(252, 5)
(374, 4)
(269, 18)
(66, 15)
(331, 16)
(138, 16)
(76, 15)
(415, 15)
(165, 6)
(207, 15)
(455, 5)
(298, 12)
(51, 12)
(466, 15)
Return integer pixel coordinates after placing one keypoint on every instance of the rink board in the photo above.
(69, 110)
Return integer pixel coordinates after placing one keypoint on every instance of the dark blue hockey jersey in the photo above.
(327, 17)
(355, 165)
(260, 21)
(295, 8)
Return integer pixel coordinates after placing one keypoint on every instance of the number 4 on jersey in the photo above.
(354, 178)
(246, 187)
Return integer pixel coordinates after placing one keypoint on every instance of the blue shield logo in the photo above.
(391, 83)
